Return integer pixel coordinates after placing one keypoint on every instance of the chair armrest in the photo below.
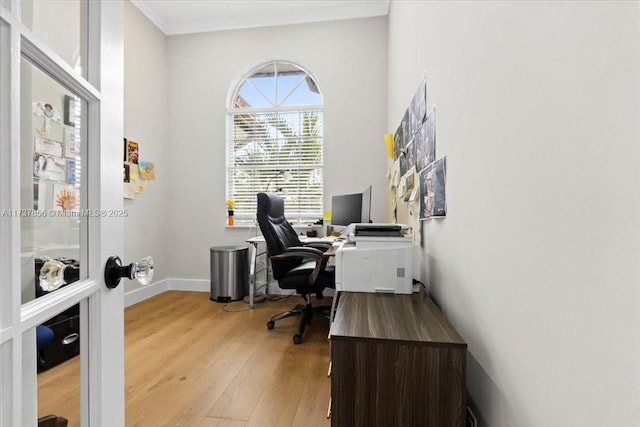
(300, 252)
(306, 252)
(323, 246)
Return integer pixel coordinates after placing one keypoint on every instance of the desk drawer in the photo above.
(65, 344)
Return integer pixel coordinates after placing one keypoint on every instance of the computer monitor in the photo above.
(351, 208)
(366, 205)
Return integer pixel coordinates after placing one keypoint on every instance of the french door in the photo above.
(61, 128)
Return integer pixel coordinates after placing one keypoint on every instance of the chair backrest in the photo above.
(278, 233)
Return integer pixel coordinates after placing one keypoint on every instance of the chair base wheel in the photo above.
(271, 324)
(297, 339)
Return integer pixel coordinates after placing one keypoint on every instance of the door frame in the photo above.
(101, 309)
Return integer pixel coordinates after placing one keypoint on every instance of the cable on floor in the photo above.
(224, 308)
(278, 297)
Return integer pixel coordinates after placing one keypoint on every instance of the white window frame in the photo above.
(305, 191)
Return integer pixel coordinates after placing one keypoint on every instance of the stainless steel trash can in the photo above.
(229, 273)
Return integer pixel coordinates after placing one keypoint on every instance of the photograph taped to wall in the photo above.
(133, 151)
(39, 166)
(425, 142)
(421, 148)
(46, 110)
(133, 172)
(73, 171)
(55, 168)
(409, 185)
(66, 197)
(433, 202)
(406, 131)
(418, 107)
(47, 146)
(147, 169)
(71, 143)
(129, 190)
(397, 142)
(404, 136)
(430, 127)
(71, 104)
(414, 116)
(393, 174)
(407, 158)
(141, 186)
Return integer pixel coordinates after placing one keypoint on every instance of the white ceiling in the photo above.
(193, 16)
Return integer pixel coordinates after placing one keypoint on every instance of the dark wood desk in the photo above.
(396, 361)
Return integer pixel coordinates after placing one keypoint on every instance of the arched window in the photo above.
(274, 141)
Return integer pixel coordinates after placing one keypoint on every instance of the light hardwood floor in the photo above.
(190, 362)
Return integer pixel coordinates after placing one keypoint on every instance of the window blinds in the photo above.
(262, 146)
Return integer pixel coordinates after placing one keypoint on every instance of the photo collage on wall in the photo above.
(415, 150)
(136, 172)
(56, 157)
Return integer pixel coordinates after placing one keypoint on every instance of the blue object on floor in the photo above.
(44, 336)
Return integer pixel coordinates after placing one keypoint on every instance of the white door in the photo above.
(61, 149)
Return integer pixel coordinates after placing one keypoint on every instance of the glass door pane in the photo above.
(59, 24)
(59, 366)
(51, 190)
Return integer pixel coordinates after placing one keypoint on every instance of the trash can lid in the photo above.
(227, 248)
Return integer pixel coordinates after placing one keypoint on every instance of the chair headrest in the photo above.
(271, 205)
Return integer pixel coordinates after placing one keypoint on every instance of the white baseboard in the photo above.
(145, 292)
(194, 285)
(156, 288)
(197, 285)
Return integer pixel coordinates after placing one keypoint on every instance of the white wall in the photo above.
(349, 60)
(536, 264)
(146, 120)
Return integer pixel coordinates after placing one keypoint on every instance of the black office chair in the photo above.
(294, 264)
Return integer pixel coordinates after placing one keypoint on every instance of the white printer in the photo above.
(376, 257)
